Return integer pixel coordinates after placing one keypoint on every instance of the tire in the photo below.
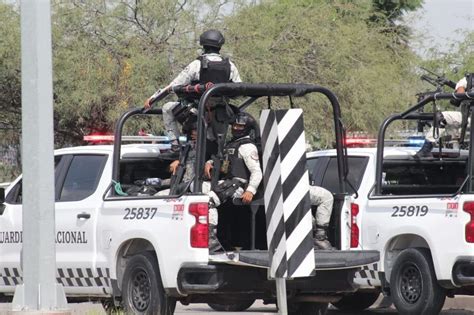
(234, 307)
(357, 301)
(413, 284)
(307, 308)
(142, 289)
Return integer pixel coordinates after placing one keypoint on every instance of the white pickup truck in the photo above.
(147, 251)
(419, 213)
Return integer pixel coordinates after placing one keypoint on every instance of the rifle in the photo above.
(177, 177)
(217, 160)
(437, 80)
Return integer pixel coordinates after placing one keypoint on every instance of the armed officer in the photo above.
(209, 67)
(450, 121)
(240, 172)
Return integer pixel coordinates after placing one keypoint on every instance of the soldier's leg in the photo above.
(171, 126)
(323, 200)
(214, 244)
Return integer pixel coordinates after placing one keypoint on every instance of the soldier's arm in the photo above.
(461, 85)
(249, 154)
(189, 74)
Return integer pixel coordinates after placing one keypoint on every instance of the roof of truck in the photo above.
(128, 150)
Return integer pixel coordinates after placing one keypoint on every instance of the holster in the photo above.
(226, 189)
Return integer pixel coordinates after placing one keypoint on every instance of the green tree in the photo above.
(315, 41)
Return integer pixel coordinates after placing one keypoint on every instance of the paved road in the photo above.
(457, 306)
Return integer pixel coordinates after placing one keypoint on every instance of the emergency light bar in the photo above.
(110, 138)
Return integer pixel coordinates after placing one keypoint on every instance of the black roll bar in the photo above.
(410, 114)
(118, 136)
(269, 89)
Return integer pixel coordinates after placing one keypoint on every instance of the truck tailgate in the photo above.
(325, 260)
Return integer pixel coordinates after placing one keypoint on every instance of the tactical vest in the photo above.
(214, 71)
(233, 165)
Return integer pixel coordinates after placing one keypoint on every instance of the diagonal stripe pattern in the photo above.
(287, 202)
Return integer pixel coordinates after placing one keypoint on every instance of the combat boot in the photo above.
(425, 151)
(214, 244)
(321, 238)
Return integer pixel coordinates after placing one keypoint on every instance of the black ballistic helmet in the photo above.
(242, 126)
(212, 38)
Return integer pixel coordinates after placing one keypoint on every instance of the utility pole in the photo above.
(39, 293)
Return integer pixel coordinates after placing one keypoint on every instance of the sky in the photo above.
(441, 22)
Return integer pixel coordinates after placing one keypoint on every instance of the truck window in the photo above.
(412, 177)
(82, 177)
(311, 164)
(357, 165)
(15, 196)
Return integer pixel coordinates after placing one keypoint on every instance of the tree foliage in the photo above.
(109, 56)
(314, 41)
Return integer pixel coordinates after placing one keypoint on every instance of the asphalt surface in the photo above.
(457, 306)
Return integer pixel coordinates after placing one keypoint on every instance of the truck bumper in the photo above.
(213, 279)
(463, 272)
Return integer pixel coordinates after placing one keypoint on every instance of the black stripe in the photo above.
(79, 273)
(6, 281)
(7, 272)
(98, 282)
(70, 273)
(88, 282)
(267, 127)
(271, 162)
(282, 268)
(61, 273)
(376, 267)
(99, 271)
(297, 215)
(300, 254)
(273, 203)
(15, 280)
(69, 282)
(79, 282)
(107, 271)
(106, 280)
(279, 114)
(287, 143)
(16, 272)
(298, 172)
(58, 280)
(89, 273)
(277, 236)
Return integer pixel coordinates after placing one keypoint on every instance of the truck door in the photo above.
(11, 234)
(77, 202)
(11, 237)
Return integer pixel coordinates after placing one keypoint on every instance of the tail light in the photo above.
(354, 226)
(200, 229)
(469, 231)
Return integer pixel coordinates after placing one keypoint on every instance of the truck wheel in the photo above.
(234, 307)
(357, 301)
(307, 308)
(142, 290)
(413, 284)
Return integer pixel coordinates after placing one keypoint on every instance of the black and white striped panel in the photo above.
(287, 202)
(370, 273)
(68, 277)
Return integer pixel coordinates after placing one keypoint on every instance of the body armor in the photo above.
(214, 71)
(233, 165)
